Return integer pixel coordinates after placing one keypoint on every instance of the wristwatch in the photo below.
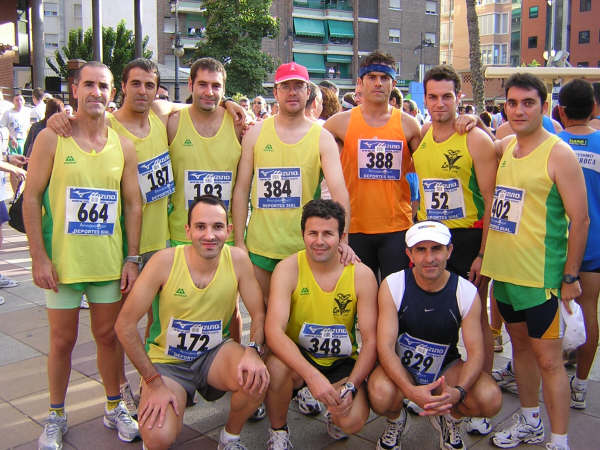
(462, 392)
(259, 348)
(348, 386)
(570, 279)
(137, 259)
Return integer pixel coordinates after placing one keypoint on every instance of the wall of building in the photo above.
(585, 21)
(533, 27)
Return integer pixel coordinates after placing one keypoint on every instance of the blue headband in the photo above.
(377, 68)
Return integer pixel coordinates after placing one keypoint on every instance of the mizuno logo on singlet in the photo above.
(304, 291)
(268, 148)
(180, 293)
(70, 160)
(187, 142)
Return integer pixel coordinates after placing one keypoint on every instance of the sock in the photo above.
(58, 409)
(112, 402)
(228, 437)
(559, 439)
(283, 428)
(579, 384)
(532, 415)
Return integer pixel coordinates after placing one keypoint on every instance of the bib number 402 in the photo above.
(500, 209)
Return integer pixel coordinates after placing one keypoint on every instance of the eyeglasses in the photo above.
(286, 87)
(163, 97)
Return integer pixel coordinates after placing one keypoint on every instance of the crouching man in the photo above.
(421, 311)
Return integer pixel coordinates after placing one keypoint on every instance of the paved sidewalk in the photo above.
(24, 396)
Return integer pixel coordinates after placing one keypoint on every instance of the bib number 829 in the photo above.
(326, 346)
(83, 215)
(380, 160)
(414, 361)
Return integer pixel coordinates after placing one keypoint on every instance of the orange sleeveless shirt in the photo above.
(375, 162)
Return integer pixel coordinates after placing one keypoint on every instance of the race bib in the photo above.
(155, 177)
(325, 341)
(423, 359)
(507, 209)
(279, 187)
(91, 211)
(188, 340)
(203, 182)
(379, 159)
(588, 160)
(443, 199)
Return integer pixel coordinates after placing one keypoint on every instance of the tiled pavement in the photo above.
(24, 397)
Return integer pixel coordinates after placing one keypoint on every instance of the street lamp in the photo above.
(178, 50)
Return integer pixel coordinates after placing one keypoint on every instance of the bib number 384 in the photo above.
(279, 187)
(91, 211)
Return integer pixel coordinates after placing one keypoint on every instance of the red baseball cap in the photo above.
(291, 71)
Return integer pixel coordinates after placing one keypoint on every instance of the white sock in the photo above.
(559, 439)
(532, 415)
(228, 437)
(580, 385)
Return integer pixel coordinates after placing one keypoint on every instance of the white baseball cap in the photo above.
(428, 231)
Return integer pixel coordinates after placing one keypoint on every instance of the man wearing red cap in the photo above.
(282, 159)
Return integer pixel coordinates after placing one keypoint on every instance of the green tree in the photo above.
(118, 48)
(234, 32)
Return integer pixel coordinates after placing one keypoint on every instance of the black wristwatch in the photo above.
(570, 279)
(462, 392)
(259, 348)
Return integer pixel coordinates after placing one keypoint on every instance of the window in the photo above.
(533, 12)
(429, 40)
(50, 41)
(50, 9)
(585, 5)
(394, 34)
(77, 11)
(583, 64)
(584, 37)
(430, 7)
(494, 54)
(532, 42)
(493, 24)
(397, 68)
(394, 4)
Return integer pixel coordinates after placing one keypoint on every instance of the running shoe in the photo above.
(577, 396)
(2, 301)
(279, 440)
(477, 425)
(129, 399)
(333, 430)
(552, 446)
(6, 282)
(449, 429)
(498, 344)
(519, 432)
(412, 407)
(54, 428)
(259, 414)
(121, 420)
(505, 378)
(390, 439)
(84, 303)
(308, 405)
(229, 445)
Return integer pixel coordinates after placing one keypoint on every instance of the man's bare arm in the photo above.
(412, 131)
(472, 335)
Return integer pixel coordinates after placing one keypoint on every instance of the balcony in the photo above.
(191, 6)
(340, 5)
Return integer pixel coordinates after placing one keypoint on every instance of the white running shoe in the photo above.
(121, 420)
(450, 437)
(54, 429)
(229, 445)
(279, 440)
(390, 439)
(129, 399)
(505, 378)
(308, 405)
(333, 430)
(577, 396)
(412, 407)
(519, 432)
(477, 425)
(552, 446)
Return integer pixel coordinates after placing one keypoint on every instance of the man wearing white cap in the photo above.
(282, 159)
(421, 311)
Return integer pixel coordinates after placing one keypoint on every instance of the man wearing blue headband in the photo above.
(376, 142)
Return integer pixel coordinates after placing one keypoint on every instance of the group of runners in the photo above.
(359, 308)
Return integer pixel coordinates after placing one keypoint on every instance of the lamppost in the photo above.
(178, 50)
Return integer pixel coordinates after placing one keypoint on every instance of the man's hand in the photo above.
(324, 391)
(569, 292)
(465, 123)
(343, 409)
(475, 271)
(17, 160)
(347, 255)
(44, 274)
(60, 123)
(237, 112)
(156, 404)
(130, 272)
(447, 398)
(432, 405)
(256, 375)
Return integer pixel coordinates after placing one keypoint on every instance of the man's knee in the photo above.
(63, 341)
(382, 391)
(156, 438)
(486, 400)
(105, 335)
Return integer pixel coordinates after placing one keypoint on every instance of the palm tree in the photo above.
(475, 56)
